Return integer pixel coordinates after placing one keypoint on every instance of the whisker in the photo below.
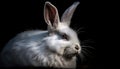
(90, 53)
(88, 47)
(84, 52)
(88, 40)
(75, 26)
(84, 56)
(80, 30)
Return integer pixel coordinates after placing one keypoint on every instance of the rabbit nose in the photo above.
(77, 47)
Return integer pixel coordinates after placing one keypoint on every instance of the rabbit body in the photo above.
(30, 48)
(56, 47)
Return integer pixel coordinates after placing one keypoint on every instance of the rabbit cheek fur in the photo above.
(56, 47)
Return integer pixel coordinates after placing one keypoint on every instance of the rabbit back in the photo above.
(29, 49)
(20, 45)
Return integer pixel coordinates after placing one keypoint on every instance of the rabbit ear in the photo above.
(67, 15)
(51, 15)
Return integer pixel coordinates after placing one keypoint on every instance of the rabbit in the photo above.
(55, 47)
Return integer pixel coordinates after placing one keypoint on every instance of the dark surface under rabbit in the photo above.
(56, 47)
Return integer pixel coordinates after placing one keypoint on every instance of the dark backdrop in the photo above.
(20, 15)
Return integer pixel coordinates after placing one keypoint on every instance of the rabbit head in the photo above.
(62, 39)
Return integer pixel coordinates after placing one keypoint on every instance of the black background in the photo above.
(21, 15)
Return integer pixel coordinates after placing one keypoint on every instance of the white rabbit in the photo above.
(56, 47)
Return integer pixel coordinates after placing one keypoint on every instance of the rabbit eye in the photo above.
(65, 36)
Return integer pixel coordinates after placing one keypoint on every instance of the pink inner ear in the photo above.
(50, 13)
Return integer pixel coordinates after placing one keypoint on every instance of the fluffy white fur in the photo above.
(45, 48)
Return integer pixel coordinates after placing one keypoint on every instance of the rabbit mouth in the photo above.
(69, 53)
(69, 56)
